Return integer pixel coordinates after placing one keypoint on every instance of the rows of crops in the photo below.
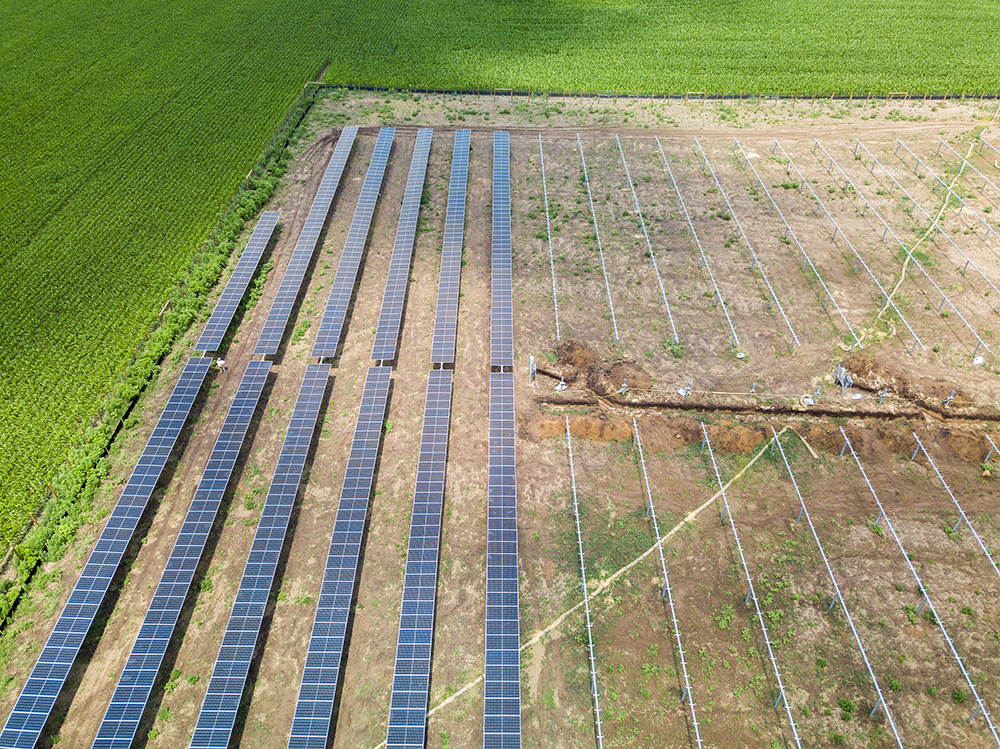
(127, 131)
(788, 46)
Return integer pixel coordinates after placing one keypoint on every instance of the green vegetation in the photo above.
(124, 130)
(642, 46)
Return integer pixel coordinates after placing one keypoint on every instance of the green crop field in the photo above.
(644, 46)
(126, 126)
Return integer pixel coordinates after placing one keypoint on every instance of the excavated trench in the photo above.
(741, 422)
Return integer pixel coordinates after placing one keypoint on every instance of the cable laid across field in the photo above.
(606, 582)
(548, 233)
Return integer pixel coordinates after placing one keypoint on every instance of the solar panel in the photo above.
(411, 676)
(232, 295)
(33, 706)
(342, 289)
(314, 707)
(305, 246)
(387, 331)
(128, 701)
(502, 705)
(502, 307)
(446, 318)
(222, 700)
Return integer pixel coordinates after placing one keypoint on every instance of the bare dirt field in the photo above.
(728, 295)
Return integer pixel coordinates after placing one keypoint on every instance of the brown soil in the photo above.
(638, 666)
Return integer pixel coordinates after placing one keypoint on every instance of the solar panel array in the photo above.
(502, 308)
(117, 729)
(225, 308)
(502, 707)
(332, 325)
(446, 317)
(305, 246)
(222, 700)
(33, 706)
(411, 677)
(314, 707)
(387, 331)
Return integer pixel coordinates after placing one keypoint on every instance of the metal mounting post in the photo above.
(878, 704)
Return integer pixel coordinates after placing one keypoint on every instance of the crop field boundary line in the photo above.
(606, 582)
(887, 97)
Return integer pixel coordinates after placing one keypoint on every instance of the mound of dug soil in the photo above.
(580, 367)
(870, 374)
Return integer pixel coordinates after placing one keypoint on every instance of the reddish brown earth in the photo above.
(638, 667)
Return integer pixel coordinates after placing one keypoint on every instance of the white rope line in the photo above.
(606, 582)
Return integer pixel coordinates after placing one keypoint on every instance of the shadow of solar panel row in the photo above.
(502, 308)
(502, 704)
(411, 676)
(394, 297)
(332, 325)
(449, 281)
(121, 720)
(236, 287)
(314, 707)
(305, 247)
(229, 676)
(33, 706)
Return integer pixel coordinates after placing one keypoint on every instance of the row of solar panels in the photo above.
(117, 729)
(34, 704)
(502, 682)
(412, 671)
(330, 330)
(225, 689)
